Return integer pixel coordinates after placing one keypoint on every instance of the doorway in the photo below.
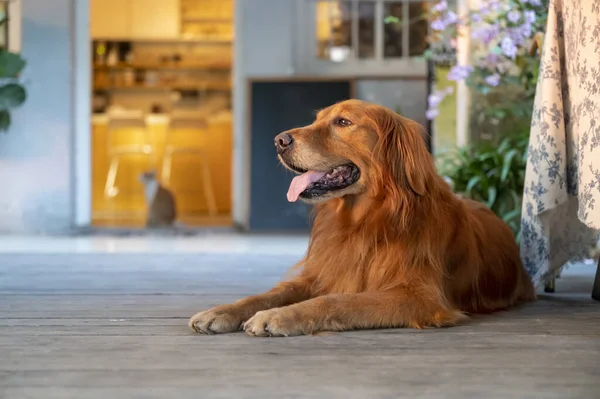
(160, 106)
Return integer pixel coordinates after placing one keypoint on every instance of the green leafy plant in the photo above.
(12, 91)
(492, 172)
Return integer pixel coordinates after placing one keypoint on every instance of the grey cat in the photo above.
(161, 202)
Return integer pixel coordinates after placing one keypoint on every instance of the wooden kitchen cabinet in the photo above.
(110, 19)
(135, 19)
(155, 19)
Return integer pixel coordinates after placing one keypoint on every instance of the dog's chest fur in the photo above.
(350, 263)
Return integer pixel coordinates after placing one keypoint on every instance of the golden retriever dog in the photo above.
(391, 245)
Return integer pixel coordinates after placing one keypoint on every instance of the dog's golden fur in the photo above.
(395, 249)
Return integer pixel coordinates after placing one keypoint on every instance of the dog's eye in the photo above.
(343, 122)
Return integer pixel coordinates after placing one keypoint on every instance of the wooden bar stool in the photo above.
(126, 137)
(185, 137)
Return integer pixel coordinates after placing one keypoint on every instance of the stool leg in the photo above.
(550, 286)
(596, 289)
(109, 188)
(209, 194)
(166, 168)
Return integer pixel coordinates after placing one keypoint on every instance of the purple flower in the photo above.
(526, 30)
(493, 80)
(486, 34)
(490, 61)
(438, 24)
(529, 16)
(441, 6)
(451, 18)
(479, 33)
(438, 96)
(513, 16)
(434, 99)
(432, 113)
(520, 34)
(535, 3)
(508, 47)
(484, 10)
(475, 17)
(516, 35)
(459, 72)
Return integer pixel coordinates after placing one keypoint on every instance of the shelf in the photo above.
(199, 40)
(189, 67)
(207, 20)
(181, 40)
(208, 86)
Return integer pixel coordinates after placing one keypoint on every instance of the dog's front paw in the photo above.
(278, 322)
(220, 319)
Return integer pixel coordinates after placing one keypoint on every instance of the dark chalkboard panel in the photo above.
(276, 107)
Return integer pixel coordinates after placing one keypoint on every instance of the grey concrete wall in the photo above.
(408, 97)
(263, 47)
(35, 156)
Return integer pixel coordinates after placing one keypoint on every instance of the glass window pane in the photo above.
(392, 35)
(334, 30)
(417, 34)
(366, 29)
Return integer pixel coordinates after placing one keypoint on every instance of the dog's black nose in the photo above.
(282, 142)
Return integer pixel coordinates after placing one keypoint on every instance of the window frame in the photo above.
(306, 45)
(12, 27)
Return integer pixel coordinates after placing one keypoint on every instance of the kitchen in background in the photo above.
(161, 101)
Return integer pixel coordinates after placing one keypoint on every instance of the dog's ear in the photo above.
(402, 149)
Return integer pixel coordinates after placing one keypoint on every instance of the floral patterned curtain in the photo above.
(561, 205)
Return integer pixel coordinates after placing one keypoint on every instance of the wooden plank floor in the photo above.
(114, 326)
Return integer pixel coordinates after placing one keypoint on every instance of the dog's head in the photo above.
(355, 148)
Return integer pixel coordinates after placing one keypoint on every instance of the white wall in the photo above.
(36, 189)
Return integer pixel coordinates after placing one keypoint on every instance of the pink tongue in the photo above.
(301, 182)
